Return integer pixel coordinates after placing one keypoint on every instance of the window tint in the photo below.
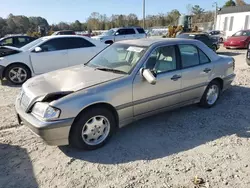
(121, 32)
(78, 43)
(162, 59)
(8, 41)
(189, 55)
(130, 31)
(203, 57)
(55, 45)
(140, 30)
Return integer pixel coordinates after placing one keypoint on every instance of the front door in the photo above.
(54, 55)
(120, 35)
(163, 62)
(196, 72)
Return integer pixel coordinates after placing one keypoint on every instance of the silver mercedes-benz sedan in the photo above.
(84, 105)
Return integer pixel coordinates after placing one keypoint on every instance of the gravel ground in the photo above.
(167, 150)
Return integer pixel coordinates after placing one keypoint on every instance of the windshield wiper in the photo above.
(110, 70)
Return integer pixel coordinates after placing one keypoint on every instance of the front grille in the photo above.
(24, 101)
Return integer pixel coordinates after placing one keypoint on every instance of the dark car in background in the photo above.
(219, 34)
(212, 43)
(64, 32)
(17, 41)
(240, 39)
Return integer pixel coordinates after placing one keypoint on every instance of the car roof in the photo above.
(150, 41)
(64, 36)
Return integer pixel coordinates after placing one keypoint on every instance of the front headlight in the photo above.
(45, 111)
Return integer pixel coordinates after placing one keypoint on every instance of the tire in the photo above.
(17, 74)
(214, 47)
(86, 126)
(205, 102)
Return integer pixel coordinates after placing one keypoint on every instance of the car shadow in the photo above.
(229, 53)
(15, 167)
(175, 131)
(6, 83)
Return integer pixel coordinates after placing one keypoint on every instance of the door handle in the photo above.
(207, 70)
(176, 77)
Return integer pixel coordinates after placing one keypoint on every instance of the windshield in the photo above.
(109, 32)
(241, 33)
(185, 36)
(31, 44)
(120, 57)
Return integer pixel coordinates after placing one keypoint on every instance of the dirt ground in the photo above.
(167, 150)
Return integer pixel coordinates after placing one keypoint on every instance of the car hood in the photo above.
(67, 80)
(8, 50)
(239, 38)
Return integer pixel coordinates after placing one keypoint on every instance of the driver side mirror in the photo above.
(116, 33)
(38, 49)
(147, 74)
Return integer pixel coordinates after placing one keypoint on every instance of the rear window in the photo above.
(140, 30)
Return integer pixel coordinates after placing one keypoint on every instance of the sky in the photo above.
(70, 10)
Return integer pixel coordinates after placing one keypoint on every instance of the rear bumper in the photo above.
(227, 81)
(1, 72)
(53, 133)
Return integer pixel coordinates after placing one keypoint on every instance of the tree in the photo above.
(229, 3)
(197, 10)
(240, 2)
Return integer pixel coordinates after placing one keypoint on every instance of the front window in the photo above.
(118, 58)
(32, 44)
(109, 32)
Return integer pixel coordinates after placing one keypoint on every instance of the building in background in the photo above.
(232, 19)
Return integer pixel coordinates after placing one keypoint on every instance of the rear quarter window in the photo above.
(140, 30)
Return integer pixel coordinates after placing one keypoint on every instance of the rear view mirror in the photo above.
(38, 49)
(147, 74)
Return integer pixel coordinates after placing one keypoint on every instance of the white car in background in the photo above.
(123, 33)
(46, 54)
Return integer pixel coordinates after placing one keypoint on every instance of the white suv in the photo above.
(123, 33)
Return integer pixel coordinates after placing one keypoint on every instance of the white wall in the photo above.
(238, 22)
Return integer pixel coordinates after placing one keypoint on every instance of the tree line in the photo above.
(19, 24)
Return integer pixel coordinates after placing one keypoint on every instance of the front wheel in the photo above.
(211, 94)
(17, 74)
(92, 129)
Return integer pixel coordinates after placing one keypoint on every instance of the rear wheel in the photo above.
(214, 48)
(92, 129)
(211, 94)
(17, 74)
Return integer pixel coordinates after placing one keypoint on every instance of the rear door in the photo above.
(54, 55)
(130, 34)
(80, 50)
(141, 33)
(196, 72)
(205, 39)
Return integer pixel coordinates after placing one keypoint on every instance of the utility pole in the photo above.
(144, 14)
(215, 14)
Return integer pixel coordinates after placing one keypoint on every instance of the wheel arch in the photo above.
(220, 81)
(98, 105)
